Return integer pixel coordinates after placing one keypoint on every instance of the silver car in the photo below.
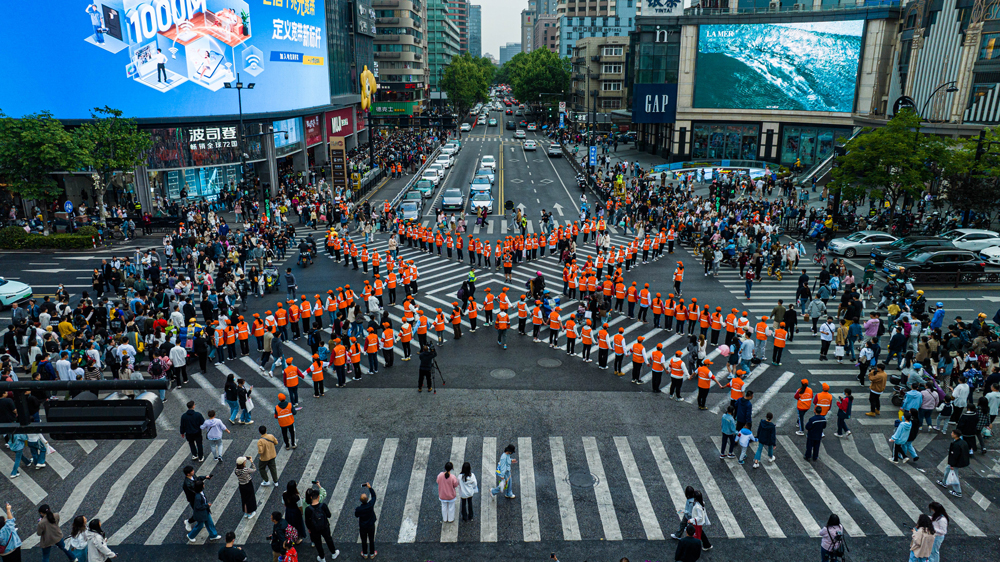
(861, 242)
(453, 200)
(410, 210)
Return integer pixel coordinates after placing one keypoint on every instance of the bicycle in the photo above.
(819, 258)
(774, 272)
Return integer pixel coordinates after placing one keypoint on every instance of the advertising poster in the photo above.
(164, 58)
(314, 130)
(289, 139)
(782, 66)
(338, 123)
(654, 103)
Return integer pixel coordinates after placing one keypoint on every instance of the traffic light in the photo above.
(115, 417)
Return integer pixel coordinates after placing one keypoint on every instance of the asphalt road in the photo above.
(603, 463)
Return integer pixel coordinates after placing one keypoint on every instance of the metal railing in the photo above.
(416, 177)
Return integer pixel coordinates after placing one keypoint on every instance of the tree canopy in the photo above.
(32, 148)
(115, 144)
(540, 71)
(467, 81)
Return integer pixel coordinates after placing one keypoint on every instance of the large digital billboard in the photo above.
(794, 66)
(163, 58)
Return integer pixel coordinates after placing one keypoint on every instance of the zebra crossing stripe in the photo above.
(670, 479)
(226, 493)
(381, 481)
(337, 499)
(150, 497)
(760, 508)
(564, 493)
(773, 389)
(880, 516)
(529, 504)
(792, 498)
(488, 504)
(245, 526)
(117, 492)
(712, 492)
(645, 507)
(449, 531)
(820, 486)
(851, 450)
(414, 493)
(605, 506)
(180, 504)
(24, 483)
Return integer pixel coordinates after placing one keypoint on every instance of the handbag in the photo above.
(222, 399)
(952, 479)
(249, 404)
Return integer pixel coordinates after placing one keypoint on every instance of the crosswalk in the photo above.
(570, 488)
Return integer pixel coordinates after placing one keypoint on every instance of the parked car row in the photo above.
(962, 249)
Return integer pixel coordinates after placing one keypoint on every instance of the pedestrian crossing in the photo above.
(569, 488)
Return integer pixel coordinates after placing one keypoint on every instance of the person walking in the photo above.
(202, 515)
(50, 534)
(922, 539)
(745, 437)
(728, 434)
(958, 457)
(317, 518)
(286, 420)
(366, 522)
(689, 548)
(188, 486)
(97, 543)
(503, 473)
(467, 488)
(215, 428)
(685, 514)
(230, 552)
(244, 476)
(939, 519)
(767, 436)
(266, 453)
(831, 537)
(814, 434)
(876, 386)
(191, 422)
(699, 518)
(827, 331)
(844, 406)
(447, 484)
(77, 542)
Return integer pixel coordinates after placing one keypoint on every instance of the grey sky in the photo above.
(501, 23)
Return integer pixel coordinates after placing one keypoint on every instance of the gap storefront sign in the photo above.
(654, 103)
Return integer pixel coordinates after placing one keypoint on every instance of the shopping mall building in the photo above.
(785, 82)
(190, 71)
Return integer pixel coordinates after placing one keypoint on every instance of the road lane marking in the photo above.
(639, 495)
(414, 492)
(564, 493)
(605, 506)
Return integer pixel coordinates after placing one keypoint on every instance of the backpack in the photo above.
(881, 328)
(312, 339)
(324, 353)
(156, 369)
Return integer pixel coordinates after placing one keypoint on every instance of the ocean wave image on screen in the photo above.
(806, 67)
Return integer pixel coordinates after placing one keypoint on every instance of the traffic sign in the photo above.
(562, 121)
(593, 156)
(562, 107)
(68, 206)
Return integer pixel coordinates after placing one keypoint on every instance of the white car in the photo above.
(481, 120)
(489, 162)
(450, 150)
(465, 128)
(519, 134)
(990, 255)
(972, 238)
(482, 199)
(437, 168)
(445, 160)
(12, 292)
(530, 145)
(431, 175)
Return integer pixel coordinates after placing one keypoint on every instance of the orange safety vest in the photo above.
(230, 335)
(736, 389)
(656, 361)
(339, 355)
(388, 338)
(779, 337)
(291, 376)
(602, 339)
(554, 322)
(502, 321)
(824, 400)
(284, 415)
(761, 329)
(316, 372)
(804, 398)
(619, 343)
(704, 377)
(242, 331)
(676, 365)
(371, 343)
(405, 332)
(570, 329)
(293, 314)
(638, 353)
(258, 328)
(716, 321)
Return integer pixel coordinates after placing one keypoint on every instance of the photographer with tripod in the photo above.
(427, 355)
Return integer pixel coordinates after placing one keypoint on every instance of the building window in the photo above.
(613, 51)
(611, 86)
(990, 46)
(611, 104)
(611, 69)
(722, 141)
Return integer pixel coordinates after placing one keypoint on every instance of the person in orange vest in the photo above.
(503, 322)
(803, 403)
(731, 327)
(656, 365)
(306, 313)
(388, 341)
(633, 296)
(439, 326)
(618, 344)
(586, 341)
(681, 313)
(678, 370)
(230, 340)
(488, 307)
(555, 325)
(716, 324)
(422, 324)
(292, 374)
(243, 335)
(339, 359)
(669, 311)
(762, 331)
(824, 400)
(705, 378)
(354, 354)
(639, 356)
(456, 320)
(678, 276)
(780, 335)
(371, 349)
(258, 331)
(571, 335)
(281, 319)
(286, 420)
(603, 345)
(315, 373)
(522, 315)
(735, 386)
(405, 337)
(644, 303)
(472, 311)
(294, 314)
(620, 296)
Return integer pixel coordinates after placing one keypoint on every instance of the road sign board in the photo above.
(562, 121)
(593, 156)
(562, 107)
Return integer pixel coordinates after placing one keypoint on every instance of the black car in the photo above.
(938, 261)
(511, 125)
(907, 244)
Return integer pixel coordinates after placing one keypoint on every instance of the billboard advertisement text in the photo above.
(781, 66)
(165, 58)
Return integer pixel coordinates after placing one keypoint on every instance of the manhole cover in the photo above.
(549, 363)
(502, 373)
(582, 480)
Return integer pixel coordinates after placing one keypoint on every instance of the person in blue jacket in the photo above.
(938, 319)
(814, 434)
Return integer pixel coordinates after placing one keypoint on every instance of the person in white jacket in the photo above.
(467, 487)
(97, 543)
(699, 518)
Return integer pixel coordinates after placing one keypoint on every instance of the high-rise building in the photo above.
(458, 11)
(442, 43)
(401, 50)
(491, 58)
(546, 32)
(508, 51)
(581, 19)
(475, 30)
(527, 30)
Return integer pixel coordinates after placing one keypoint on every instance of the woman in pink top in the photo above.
(447, 484)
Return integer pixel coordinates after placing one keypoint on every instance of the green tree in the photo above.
(539, 71)
(971, 182)
(466, 83)
(116, 145)
(888, 162)
(32, 148)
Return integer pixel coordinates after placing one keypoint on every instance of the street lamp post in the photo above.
(952, 89)
(238, 85)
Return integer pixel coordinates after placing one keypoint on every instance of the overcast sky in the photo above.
(501, 23)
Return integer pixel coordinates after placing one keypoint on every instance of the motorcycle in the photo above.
(272, 280)
(581, 181)
(305, 259)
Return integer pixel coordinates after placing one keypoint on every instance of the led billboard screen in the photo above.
(164, 58)
(793, 66)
